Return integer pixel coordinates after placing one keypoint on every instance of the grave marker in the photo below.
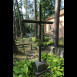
(39, 22)
(40, 65)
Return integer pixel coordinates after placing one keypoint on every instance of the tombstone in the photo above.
(57, 52)
(52, 35)
(61, 54)
(52, 49)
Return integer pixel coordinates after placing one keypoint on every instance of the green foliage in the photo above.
(50, 42)
(46, 38)
(37, 41)
(44, 57)
(47, 8)
(45, 43)
(33, 39)
(55, 63)
(24, 69)
(61, 42)
(47, 74)
(35, 47)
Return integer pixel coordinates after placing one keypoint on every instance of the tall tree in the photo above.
(57, 12)
(48, 7)
(15, 22)
(26, 9)
(35, 2)
(20, 23)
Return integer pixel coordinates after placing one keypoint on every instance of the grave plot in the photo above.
(30, 60)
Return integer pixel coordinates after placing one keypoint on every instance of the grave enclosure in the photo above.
(59, 51)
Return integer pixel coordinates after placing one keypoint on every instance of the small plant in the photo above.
(24, 69)
(50, 42)
(33, 39)
(56, 64)
(47, 38)
(35, 47)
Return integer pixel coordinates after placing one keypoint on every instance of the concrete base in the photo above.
(40, 66)
(39, 73)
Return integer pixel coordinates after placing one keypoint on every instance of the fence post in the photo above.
(23, 48)
(54, 50)
(31, 46)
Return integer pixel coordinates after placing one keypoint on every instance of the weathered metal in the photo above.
(39, 22)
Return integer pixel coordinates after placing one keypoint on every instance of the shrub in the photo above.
(44, 44)
(33, 39)
(56, 64)
(24, 69)
(35, 47)
(46, 38)
(50, 42)
(61, 42)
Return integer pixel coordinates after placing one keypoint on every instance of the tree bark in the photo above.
(35, 1)
(20, 23)
(15, 49)
(26, 10)
(15, 22)
(57, 12)
(13, 26)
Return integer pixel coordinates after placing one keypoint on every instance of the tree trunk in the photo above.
(43, 26)
(13, 26)
(21, 5)
(26, 10)
(57, 12)
(16, 28)
(20, 23)
(15, 22)
(15, 49)
(35, 1)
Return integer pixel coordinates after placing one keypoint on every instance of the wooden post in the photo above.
(23, 48)
(31, 46)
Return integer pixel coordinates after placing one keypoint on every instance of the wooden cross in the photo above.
(39, 22)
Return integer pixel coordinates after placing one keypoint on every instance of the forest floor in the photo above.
(27, 53)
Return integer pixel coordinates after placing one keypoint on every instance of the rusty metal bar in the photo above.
(35, 21)
(40, 32)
